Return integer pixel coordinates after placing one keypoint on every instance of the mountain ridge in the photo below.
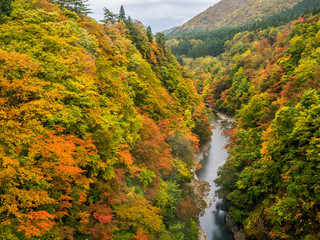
(230, 13)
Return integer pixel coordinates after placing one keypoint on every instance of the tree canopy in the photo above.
(269, 80)
(90, 116)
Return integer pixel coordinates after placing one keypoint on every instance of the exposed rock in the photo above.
(204, 151)
(238, 233)
(225, 121)
(201, 234)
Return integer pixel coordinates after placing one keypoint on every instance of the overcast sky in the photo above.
(159, 14)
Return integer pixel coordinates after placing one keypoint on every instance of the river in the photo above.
(213, 221)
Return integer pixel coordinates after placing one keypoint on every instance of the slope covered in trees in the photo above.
(270, 81)
(98, 129)
(232, 13)
(211, 43)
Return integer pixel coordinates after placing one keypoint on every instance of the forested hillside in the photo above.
(211, 43)
(270, 81)
(213, 16)
(232, 13)
(98, 128)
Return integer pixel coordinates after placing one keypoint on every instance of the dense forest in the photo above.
(203, 43)
(269, 80)
(233, 13)
(98, 128)
(100, 125)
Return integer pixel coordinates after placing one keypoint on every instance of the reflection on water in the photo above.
(213, 221)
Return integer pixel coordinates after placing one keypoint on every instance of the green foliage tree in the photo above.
(122, 14)
(81, 6)
(161, 39)
(5, 8)
(250, 115)
(137, 33)
(78, 6)
(149, 34)
(109, 17)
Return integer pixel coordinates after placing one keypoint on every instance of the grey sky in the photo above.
(159, 14)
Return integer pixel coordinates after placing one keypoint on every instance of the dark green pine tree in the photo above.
(81, 6)
(122, 14)
(149, 34)
(78, 6)
(109, 17)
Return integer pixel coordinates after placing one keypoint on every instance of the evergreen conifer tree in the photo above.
(122, 14)
(109, 16)
(78, 6)
(81, 6)
(149, 34)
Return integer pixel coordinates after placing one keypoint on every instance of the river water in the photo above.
(213, 221)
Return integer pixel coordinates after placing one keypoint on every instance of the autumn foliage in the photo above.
(86, 112)
(269, 80)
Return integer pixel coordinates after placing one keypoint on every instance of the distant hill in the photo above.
(230, 13)
(171, 30)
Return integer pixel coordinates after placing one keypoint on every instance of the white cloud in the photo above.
(159, 14)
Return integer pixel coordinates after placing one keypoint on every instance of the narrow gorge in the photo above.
(213, 221)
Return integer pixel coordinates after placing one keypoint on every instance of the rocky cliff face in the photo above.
(238, 233)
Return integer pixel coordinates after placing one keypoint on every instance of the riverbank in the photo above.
(201, 234)
(225, 121)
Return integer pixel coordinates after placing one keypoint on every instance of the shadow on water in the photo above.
(220, 232)
(213, 221)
